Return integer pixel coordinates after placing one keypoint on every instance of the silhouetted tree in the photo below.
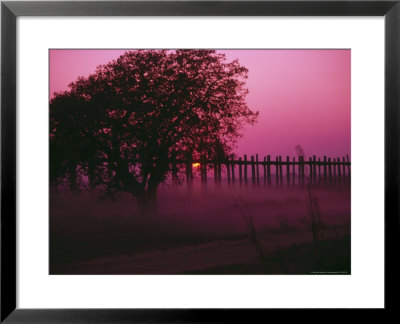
(123, 126)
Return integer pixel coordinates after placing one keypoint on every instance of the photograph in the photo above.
(199, 161)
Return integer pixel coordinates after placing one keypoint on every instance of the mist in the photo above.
(83, 227)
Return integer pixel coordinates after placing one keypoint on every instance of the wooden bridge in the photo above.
(289, 170)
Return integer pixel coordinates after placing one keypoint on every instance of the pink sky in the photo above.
(303, 96)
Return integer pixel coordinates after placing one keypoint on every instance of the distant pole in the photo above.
(245, 169)
(240, 172)
(219, 172)
(228, 171)
(311, 169)
(315, 168)
(277, 170)
(215, 172)
(233, 169)
(302, 170)
(348, 165)
(253, 171)
(203, 166)
(319, 170)
(288, 170)
(325, 169)
(330, 169)
(257, 171)
(174, 169)
(201, 172)
(294, 170)
(334, 170)
(265, 170)
(280, 169)
(299, 168)
(205, 171)
(339, 170)
(189, 173)
(269, 169)
(344, 168)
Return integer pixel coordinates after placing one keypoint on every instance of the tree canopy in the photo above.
(125, 125)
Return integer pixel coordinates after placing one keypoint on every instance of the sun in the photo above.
(196, 165)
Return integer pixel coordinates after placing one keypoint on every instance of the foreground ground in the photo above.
(284, 253)
(200, 230)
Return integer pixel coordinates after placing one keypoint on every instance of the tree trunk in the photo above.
(147, 202)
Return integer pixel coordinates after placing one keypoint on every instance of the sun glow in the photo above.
(196, 165)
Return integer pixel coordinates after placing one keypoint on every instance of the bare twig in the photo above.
(251, 230)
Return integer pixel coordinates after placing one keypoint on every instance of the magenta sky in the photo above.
(303, 96)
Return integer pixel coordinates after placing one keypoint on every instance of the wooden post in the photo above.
(344, 168)
(189, 173)
(269, 169)
(315, 168)
(233, 169)
(201, 172)
(174, 169)
(245, 169)
(294, 170)
(348, 165)
(325, 169)
(280, 169)
(228, 171)
(215, 172)
(302, 170)
(288, 170)
(334, 170)
(277, 169)
(203, 169)
(257, 171)
(265, 170)
(253, 171)
(299, 158)
(311, 170)
(330, 169)
(338, 168)
(319, 169)
(240, 172)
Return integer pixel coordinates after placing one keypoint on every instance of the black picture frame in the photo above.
(10, 10)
